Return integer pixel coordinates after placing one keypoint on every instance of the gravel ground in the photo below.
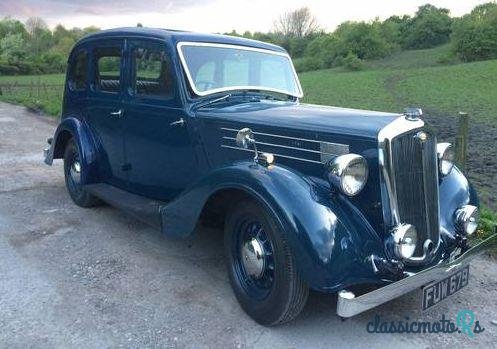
(95, 278)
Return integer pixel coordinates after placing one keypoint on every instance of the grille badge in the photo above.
(421, 136)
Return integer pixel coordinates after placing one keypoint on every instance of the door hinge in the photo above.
(126, 167)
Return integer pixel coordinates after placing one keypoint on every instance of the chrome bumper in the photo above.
(349, 305)
(48, 152)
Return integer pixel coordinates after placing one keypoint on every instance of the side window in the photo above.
(153, 74)
(108, 69)
(78, 72)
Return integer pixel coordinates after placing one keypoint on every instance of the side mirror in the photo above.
(245, 139)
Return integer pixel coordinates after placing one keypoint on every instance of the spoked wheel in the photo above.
(261, 266)
(72, 172)
(254, 259)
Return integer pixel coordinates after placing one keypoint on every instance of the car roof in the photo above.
(175, 36)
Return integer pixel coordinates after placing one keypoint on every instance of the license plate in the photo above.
(440, 290)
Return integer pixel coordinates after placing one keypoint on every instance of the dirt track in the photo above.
(482, 152)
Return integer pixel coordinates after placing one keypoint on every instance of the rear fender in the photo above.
(72, 127)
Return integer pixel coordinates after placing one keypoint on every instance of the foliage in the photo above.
(475, 35)
(352, 62)
(32, 48)
(488, 222)
(307, 64)
(431, 26)
(365, 40)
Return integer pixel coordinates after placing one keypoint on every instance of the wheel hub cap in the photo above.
(253, 258)
(76, 171)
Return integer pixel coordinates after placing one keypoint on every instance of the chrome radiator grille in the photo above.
(415, 178)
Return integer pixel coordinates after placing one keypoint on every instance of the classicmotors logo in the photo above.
(465, 323)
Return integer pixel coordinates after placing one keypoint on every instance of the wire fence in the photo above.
(33, 89)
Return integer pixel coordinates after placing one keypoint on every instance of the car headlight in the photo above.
(446, 157)
(349, 173)
(405, 239)
(467, 219)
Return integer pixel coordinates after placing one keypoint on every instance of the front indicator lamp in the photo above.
(446, 158)
(467, 218)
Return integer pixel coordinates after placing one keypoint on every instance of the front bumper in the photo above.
(349, 305)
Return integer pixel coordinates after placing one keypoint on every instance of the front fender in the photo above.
(331, 240)
(72, 127)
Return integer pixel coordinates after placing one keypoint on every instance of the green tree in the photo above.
(12, 26)
(13, 48)
(475, 35)
(431, 26)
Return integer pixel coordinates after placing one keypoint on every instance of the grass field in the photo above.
(438, 89)
(40, 92)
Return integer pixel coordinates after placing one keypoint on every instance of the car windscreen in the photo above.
(213, 68)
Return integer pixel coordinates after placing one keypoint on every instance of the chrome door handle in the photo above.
(118, 113)
(180, 122)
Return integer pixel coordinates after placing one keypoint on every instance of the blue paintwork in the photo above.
(333, 237)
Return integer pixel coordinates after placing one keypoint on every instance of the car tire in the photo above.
(261, 266)
(72, 174)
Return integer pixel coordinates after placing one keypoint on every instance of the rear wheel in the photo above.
(72, 173)
(261, 266)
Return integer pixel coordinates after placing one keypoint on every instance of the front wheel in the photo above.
(72, 173)
(261, 266)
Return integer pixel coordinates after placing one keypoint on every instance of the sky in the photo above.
(213, 15)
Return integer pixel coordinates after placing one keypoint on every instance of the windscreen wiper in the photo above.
(215, 100)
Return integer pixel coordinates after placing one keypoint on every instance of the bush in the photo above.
(430, 27)
(307, 64)
(352, 62)
(475, 35)
(7, 69)
(326, 48)
(365, 40)
(488, 222)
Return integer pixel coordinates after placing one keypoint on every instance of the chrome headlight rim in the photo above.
(446, 158)
(405, 237)
(340, 167)
(467, 219)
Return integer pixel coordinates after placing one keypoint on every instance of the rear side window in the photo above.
(108, 69)
(78, 72)
(152, 72)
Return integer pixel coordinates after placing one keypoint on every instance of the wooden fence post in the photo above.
(462, 139)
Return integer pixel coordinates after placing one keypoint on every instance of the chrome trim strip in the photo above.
(275, 154)
(284, 146)
(285, 137)
(349, 305)
(180, 44)
(385, 136)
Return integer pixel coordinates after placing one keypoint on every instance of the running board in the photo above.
(145, 209)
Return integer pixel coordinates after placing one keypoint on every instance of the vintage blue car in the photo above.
(174, 127)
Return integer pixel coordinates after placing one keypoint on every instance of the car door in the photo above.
(159, 147)
(105, 110)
